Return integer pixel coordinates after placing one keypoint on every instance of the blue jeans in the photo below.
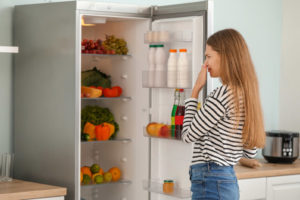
(211, 181)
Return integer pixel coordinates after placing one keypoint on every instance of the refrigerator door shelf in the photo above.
(122, 140)
(159, 79)
(167, 135)
(157, 187)
(124, 181)
(162, 37)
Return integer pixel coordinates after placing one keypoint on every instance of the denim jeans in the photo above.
(211, 181)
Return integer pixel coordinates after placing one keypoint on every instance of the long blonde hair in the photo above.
(237, 71)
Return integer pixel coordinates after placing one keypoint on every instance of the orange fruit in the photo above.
(101, 171)
(81, 176)
(86, 170)
(116, 173)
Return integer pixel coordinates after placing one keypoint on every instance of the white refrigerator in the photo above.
(47, 96)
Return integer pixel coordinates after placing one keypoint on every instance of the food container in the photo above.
(168, 186)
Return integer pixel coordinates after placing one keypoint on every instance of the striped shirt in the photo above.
(214, 130)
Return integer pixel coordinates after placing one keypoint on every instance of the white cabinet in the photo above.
(252, 189)
(270, 188)
(283, 187)
(51, 198)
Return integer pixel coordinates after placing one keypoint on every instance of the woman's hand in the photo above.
(200, 82)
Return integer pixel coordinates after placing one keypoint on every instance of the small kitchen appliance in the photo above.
(281, 146)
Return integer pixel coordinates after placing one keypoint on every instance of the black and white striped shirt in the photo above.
(214, 129)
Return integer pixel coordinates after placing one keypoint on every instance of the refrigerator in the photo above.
(48, 103)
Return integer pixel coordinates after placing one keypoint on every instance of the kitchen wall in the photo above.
(289, 93)
(258, 21)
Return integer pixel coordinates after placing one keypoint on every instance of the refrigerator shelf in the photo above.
(107, 98)
(123, 140)
(160, 137)
(124, 181)
(108, 55)
(157, 187)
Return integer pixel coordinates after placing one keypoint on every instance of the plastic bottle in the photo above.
(183, 70)
(160, 66)
(173, 114)
(179, 116)
(151, 62)
(172, 68)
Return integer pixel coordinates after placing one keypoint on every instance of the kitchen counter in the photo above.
(17, 189)
(267, 170)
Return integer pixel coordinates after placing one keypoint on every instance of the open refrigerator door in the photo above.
(170, 158)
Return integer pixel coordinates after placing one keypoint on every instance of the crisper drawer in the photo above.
(252, 189)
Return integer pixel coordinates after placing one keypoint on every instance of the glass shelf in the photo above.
(165, 37)
(168, 137)
(125, 182)
(108, 55)
(157, 187)
(123, 140)
(107, 98)
(159, 79)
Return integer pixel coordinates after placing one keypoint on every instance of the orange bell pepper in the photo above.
(102, 132)
(89, 129)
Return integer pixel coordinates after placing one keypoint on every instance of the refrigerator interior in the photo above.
(130, 112)
(170, 159)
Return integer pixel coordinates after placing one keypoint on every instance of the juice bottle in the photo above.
(176, 102)
(179, 116)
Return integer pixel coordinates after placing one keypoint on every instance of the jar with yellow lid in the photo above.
(168, 186)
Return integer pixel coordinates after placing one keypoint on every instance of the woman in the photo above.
(229, 126)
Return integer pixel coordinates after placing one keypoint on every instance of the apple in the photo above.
(165, 131)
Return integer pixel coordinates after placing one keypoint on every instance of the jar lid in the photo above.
(168, 181)
(182, 50)
(173, 50)
(160, 45)
(152, 45)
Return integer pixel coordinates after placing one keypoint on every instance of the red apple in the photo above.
(164, 131)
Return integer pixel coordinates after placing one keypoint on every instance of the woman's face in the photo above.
(212, 61)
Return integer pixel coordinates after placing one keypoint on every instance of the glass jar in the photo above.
(168, 186)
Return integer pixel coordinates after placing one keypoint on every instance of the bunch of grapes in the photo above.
(118, 45)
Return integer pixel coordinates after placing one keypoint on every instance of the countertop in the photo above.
(267, 170)
(18, 189)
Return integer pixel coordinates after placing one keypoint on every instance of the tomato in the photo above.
(110, 92)
(119, 90)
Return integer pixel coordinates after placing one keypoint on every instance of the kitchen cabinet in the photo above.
(270, 188)
(283, 187)
(252, 189)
